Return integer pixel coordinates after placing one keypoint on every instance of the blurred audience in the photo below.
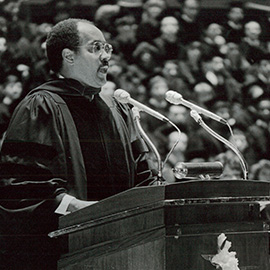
(261, 170)
(221, 64)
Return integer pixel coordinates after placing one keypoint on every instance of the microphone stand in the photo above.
(136, 117)
(194, 114)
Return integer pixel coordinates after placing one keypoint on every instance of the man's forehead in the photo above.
(89, 32)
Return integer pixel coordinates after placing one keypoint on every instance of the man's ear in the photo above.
(68, 55)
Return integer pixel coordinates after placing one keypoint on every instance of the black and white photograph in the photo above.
(134, 134)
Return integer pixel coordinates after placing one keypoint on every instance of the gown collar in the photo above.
(69, 87)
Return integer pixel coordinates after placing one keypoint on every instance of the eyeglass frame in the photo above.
(103, 44)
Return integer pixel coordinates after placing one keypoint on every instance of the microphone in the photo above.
(176, 99)
(124, 97)
(192, 169)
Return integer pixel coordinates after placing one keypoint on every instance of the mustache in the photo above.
(105, 63)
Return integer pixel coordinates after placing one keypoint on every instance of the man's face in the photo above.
(264, 109)
(13, 89)
(191, 9)
(193, 54)
(204, 92)
(158, 90)
(170, 69)
(236, 14)
(154, 11)
(178, 114)
(253, 30)
(213, 30)
(264, 68)
(169, 25)
(90, 68)
(217, 64)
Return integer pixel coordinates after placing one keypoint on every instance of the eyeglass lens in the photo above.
(99, 46)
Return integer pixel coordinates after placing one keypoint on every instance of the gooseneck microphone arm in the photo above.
(124, 97)
(243, 163)
(136, 117)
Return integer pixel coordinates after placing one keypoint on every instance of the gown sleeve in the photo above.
(33, 160)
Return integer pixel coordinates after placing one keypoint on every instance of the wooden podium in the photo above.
(168, 227)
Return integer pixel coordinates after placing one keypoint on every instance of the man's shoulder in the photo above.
(49, 91)
(39, 102)
(40, 94)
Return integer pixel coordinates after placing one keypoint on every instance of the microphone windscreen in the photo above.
(122, 95)
(173, 97)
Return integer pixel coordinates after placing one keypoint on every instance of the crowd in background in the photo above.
(221, 64)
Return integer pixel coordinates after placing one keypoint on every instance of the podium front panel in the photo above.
(168, 228)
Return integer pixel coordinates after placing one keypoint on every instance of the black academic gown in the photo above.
(62, 138)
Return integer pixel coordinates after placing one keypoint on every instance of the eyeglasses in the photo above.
(97, 47)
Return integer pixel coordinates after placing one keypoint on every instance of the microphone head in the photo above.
(195, 115)
(122, 95)
(173, 97)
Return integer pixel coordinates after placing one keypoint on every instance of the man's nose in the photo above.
(105, 55)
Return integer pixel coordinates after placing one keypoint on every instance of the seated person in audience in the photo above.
(252, 46)
(259, 132)
(215, 73)
(149, 26)
(212, 40)
(190, 63)
(157, 86)
(171, 73)
(259, 83)
(190, 25)
(235, 62)
(125, 40)
(233, 26)
(168, 43)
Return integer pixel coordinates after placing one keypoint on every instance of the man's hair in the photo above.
(63, 35)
